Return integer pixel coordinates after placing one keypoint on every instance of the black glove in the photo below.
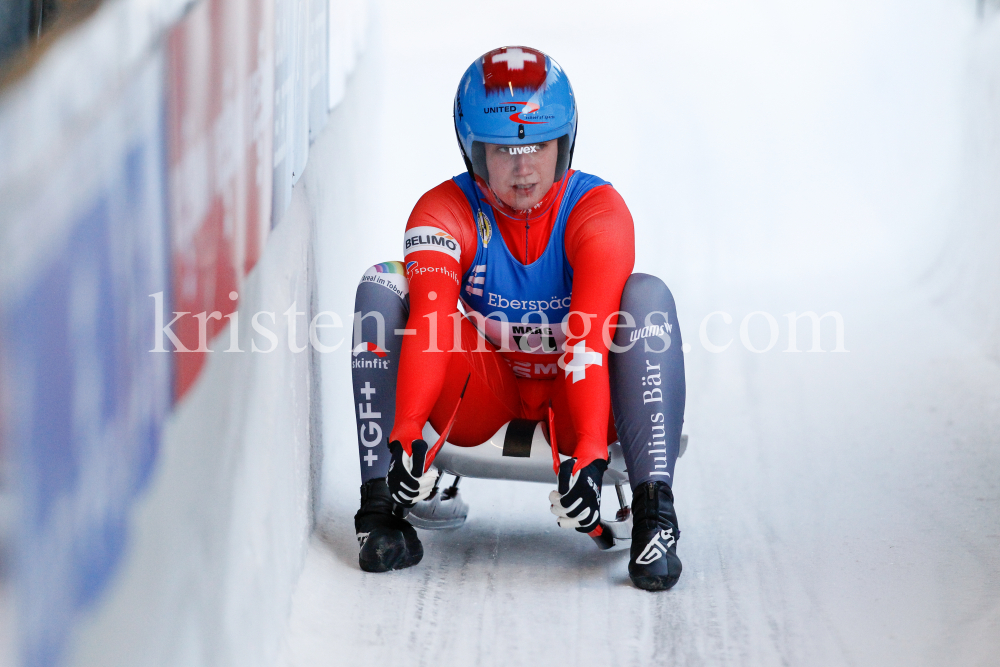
(408, 483)
(577, 503)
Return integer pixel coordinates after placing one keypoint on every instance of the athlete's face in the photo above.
(521, 175)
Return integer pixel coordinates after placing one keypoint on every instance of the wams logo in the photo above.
(658, 330)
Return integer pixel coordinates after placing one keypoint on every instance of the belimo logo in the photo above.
(438, 239)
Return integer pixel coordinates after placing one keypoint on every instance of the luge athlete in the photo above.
(540, 258)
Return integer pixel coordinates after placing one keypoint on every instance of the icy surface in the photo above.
(778, 156)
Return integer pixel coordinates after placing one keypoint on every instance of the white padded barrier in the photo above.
(173, 527)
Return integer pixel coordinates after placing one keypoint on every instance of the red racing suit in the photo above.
(443, 348)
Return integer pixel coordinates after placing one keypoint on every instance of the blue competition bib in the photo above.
(516, 307)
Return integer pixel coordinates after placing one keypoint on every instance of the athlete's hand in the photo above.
(408, 483)
(577, 503)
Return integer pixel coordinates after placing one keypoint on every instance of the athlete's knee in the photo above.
(381, 304)
(390, 275)
(383, 287)
(642, 289)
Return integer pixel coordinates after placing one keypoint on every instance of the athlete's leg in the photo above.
(380, 310)
(565, 433)
(647, 381)
(491, 399)
(647, 395)
(386, 541)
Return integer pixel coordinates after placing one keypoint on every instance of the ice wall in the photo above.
(155, 504)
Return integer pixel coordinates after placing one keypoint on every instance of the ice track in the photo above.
(835, 508)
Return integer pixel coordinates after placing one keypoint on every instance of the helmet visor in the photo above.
(520, 175)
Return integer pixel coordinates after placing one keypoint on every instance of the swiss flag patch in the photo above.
(516, 67)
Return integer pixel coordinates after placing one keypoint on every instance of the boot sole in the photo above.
(654, 583)
(390, 557)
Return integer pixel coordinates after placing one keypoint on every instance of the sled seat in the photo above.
(519, 451)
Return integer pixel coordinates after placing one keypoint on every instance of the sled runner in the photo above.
(519, 451)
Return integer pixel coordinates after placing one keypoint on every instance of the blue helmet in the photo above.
(512, 96)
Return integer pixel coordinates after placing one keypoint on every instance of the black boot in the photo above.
(386, 541)
(653, 564)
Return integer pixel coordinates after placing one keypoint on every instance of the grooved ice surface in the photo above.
(835, 508)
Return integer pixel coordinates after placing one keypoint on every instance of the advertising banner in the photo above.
(291, 99)
(319, 61)
(220, 99)
(348, 26)
(85, 398)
